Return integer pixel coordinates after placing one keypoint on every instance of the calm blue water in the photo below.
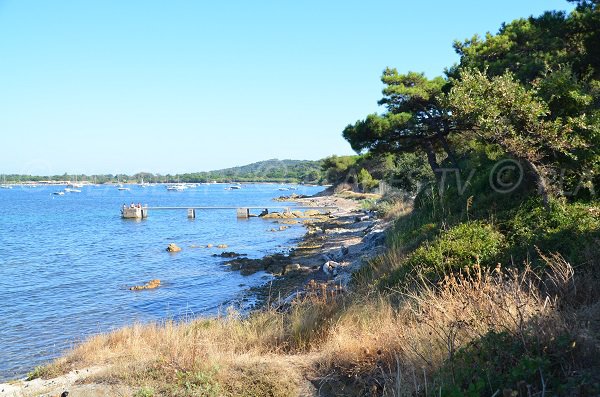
(66, 262)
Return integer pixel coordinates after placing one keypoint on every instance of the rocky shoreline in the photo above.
(335, 245)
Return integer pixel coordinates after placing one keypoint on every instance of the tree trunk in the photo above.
(428, 148)
(448, 150)
(541, 183)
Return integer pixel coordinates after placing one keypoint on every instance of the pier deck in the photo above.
(242, 212)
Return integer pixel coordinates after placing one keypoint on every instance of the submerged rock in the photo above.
(222, 246)
(173, 248)
(229, 254)
(291, 197)
(274, 264)
(152, 284)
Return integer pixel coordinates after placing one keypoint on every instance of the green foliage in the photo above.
(459, 248)
(410, 172)
(38, 372)
(201, 383)
(555, 57)
(573, 229)
(502, 111)
(338, 168)
(268, 171)
(522, 364)
(366, 181)
(416, 119)
(144, 392)
(263, 171)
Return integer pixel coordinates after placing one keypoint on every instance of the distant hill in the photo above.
(273, 170)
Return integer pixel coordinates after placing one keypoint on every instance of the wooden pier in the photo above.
(241, 212)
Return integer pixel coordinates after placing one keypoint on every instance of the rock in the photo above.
(374, 238)
(227, 254)
(272, 215)
(297, 214)
(209, 246)
(282, 228)
(152, 284)
(222, 246)
(330, 268)
(291, 197)
(173, 248)
(246, 266)
(309, 213)
(292, 267)
(273, 264)
(361, 218)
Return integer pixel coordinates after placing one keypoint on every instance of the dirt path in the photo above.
(73, 383)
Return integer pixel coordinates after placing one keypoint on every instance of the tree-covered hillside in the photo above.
(274, 170)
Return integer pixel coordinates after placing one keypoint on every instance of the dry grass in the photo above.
(229, 355)
(395, 344)
(348, 194)
(381, 343)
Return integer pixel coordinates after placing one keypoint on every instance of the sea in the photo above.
(67, 261)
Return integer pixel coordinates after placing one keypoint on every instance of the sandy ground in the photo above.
(347, 237)
(73, 383)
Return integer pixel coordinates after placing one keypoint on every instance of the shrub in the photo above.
(573, 229)
(460, 247)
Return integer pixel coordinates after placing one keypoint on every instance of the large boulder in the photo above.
(330, 268)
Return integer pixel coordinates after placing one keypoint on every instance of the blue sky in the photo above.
(179, 86)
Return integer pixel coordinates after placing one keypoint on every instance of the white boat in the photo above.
(71, 190)
(75, 185)
(234, 187)
(122, 188)
(59, 193)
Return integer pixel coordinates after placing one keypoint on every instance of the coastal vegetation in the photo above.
(273, 170)
(488, 283)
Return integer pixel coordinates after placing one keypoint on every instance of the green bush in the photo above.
(573, 229)
(460, 247)
(517, 364)
(366, 181)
